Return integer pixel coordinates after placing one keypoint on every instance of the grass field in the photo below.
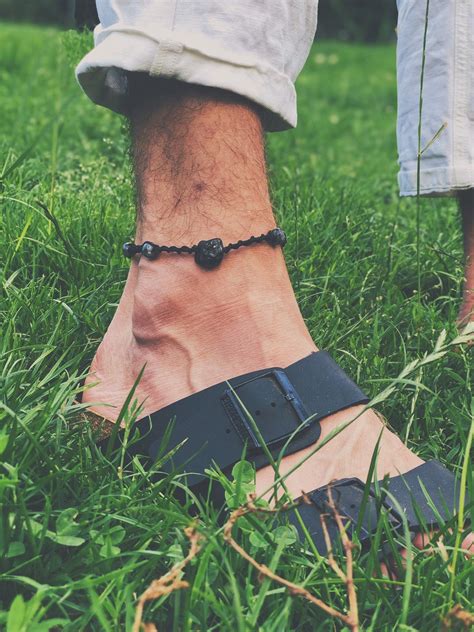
(79, 541)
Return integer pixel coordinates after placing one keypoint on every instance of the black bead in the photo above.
(209, 253)
(150, 250)
(129, 250)
(276, 237)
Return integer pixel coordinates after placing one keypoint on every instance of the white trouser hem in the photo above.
(447, 123)
(441, 181)
(107, 85)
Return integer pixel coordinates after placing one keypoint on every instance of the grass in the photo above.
(79, 542)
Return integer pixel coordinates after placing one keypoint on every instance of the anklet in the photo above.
(208, 253)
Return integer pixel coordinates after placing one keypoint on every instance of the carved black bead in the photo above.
(149, 250)
(209, 253)
(129, 250)
(276, 237)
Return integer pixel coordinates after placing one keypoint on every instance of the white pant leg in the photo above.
(255, 48)
(448, 95)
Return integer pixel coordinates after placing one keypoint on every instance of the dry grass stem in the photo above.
(351, 619)
(457, 615)
(169, 582)
(347, 545)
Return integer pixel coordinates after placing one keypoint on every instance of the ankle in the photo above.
(240, 316)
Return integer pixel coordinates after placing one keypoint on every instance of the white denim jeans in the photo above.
(256, 48)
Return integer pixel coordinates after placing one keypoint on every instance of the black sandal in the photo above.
(278, 411)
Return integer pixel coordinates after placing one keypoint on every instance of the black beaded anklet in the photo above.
(208, 253)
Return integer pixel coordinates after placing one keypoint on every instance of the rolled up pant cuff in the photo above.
(107, 85)
(436, 181)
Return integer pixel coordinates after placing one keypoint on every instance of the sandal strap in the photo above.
(428, 496)
(213, 425)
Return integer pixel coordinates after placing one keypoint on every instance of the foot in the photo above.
(466, 311)
(191, 328)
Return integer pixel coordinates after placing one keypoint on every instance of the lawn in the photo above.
(79, 539)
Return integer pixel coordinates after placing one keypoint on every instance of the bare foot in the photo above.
(193, 329)
(466, 311)
(200, 170)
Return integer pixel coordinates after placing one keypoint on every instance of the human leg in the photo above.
(447, 125)
(200, 154)
(466, 207)
(201, 173)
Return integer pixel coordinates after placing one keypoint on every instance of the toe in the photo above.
(424, 540)
(468, 543)
(388, 571)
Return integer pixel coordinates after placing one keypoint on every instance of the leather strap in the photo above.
(428, 495)
(213, 425)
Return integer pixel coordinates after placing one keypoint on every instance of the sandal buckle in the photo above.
(274, 405)
(347, 495)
